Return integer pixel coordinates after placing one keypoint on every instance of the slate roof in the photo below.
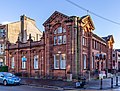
(100, 38)
(117, 50)
(107, 38)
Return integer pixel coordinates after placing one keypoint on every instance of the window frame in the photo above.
(36, 65)
(84, 61)
(12, 63)
(59, 63)
(23, 64)
(59, 36)
(62, 61)
(59, 40)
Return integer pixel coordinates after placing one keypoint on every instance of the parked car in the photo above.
(8, 78)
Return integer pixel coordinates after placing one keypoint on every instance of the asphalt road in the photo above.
(24, 88)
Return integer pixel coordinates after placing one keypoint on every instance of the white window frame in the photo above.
(55, 31)
(36, 62)
(64, 30)
(84, 61)
(63, 61)
(59, 30)
(56, 62)
(12, 63)
(60, 63)
(24, 63)
(59, 40)
(1, 48)
(64, 39)
(83, 41)
(55, 40)
(93, 59)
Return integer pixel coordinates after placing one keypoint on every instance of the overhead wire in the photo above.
(88, 11)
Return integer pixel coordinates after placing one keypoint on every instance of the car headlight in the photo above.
(10, 80)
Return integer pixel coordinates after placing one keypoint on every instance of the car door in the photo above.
(1, 78)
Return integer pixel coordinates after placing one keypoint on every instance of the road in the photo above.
(34, 88)
(24, 88)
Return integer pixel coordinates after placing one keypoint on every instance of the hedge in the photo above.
(4, 69)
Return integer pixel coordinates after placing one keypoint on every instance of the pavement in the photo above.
(69, 85)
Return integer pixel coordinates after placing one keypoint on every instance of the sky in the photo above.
(40, 10)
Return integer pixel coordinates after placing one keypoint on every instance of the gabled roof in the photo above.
(108, 38)
(100, 38)
(89, 19)
(117, 50)
(54, 14)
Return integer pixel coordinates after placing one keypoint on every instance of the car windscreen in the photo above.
(8, 74)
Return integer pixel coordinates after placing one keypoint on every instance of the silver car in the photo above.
(8, 78)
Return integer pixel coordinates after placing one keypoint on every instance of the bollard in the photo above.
(116, 81)
(111, 82)
(101, 83)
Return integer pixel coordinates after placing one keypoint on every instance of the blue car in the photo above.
(8, 78)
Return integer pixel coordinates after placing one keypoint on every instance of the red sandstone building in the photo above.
(68, 45)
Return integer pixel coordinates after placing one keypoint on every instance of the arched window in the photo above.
(59, 36)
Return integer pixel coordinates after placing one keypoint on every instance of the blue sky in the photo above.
(40, 10)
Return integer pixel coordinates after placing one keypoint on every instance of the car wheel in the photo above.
(5, 83)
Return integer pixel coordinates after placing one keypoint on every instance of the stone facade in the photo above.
(10, 32)
(116, 59)
(68, 46)
(2, 43)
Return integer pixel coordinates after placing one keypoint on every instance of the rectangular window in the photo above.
(23, 65)
(62, 61)
(55, 32)
(12, 63)
(83, 32)
(64, 39)
(1, 48)
(64, 30)
(56, 61)
(59, 39)
(83, 41)
(2, 33)
(92, 62)
(36, 62)
(84, 61)
(94, 44)
(55, 40)
(60, 30)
